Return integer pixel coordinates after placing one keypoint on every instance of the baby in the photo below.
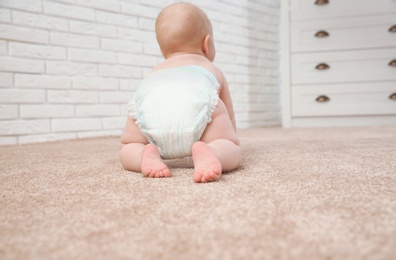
(183, 108)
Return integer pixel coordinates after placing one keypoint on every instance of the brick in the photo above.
(274, 20)
(246, 60)
(114, 122)
(119, 71)
(72, 96)
(95, 83)
(3, 47)
(116, 19)
(233, 49)
(242, 98)
(137, 59)
(235, 69)
(51, 137)
(37, 51)
(6, 79)
(20, 127)
(235, 30)
(97, 29)
(65, 1)
(223, 37)
(42, 81)
(40, 21)
(136, 35)
(124, 111)
(32, 6)
(8, 140)
(260, 25)
(157, 3)
(74, 40)
(8, 111)
(206, 5)
(272, 46)
(71, 68)
(241, 106)
(115, 97)
(97, 110)
(68, 11)
(152, 49)
(5, 15)
(129, 84)
(268, 63)
(99, 133)
(232, 9)
(76, 124)
(24, 34)
(240, 40)
(147, 71)
(95, 56)
(242, 78)
(46, 111)
(17, 96)
(121, 45)
(139, 10)
(269, 10)
(225, 57)
(100, 4)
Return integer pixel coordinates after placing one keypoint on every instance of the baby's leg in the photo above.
(218, 149)
(138, 155)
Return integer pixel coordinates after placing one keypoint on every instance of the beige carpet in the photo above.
(301, 194)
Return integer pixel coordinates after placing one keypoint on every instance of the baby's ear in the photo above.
(208, 48)
(206, 45)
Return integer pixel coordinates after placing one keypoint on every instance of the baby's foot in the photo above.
(152, 165)
(206, 166)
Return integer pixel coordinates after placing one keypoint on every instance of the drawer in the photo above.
(343, 34)
(348, 66)
(308, 10)
(344, 99)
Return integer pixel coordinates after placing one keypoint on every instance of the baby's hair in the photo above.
(181, 27)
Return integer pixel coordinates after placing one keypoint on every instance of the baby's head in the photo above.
(184, 28)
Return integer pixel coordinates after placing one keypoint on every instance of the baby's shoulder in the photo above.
(217, 73)
(209, 66)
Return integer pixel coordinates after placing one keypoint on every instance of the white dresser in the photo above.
(338, 63)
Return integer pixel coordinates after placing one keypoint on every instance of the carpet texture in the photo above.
(301, 194)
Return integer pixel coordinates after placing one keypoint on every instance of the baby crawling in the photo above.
(183, 108)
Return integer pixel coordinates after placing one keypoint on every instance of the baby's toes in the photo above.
(147, 174)
(197, 177)
(153, 174)
(214, 176)
(166, 173)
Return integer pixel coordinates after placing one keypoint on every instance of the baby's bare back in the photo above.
(182, 60)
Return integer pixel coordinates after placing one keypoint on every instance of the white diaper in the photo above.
(173, 106)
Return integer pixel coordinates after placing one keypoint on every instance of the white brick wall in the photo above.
(69, 67)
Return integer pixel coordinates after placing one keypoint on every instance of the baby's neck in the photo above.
(182, 55)
(180, 59)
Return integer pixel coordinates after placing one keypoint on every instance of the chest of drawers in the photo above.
(338, 62)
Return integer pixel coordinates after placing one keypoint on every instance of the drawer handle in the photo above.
(322, 99)
(392, 63)
(322, 2)
(393, 96)
(322, 66)
(322, 34)
(392, 29)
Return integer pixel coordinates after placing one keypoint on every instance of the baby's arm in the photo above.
(225, 96)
